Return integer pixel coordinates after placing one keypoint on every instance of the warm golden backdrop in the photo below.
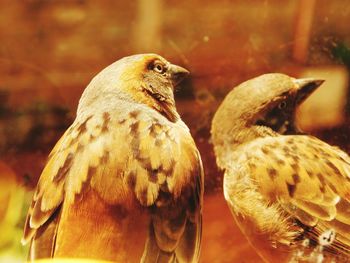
(50, 50)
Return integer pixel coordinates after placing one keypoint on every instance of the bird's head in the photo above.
(284, 94)
(269, 100)
(143, 78)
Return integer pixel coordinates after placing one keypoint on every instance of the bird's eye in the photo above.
(282, 105)
(158, 68)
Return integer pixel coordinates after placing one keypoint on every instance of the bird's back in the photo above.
(109, 186)
(292, 190)
(91, 228)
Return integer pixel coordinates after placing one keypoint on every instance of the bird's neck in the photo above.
(231, 140)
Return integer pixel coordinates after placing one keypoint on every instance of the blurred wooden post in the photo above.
(148, 26)
(304, 17)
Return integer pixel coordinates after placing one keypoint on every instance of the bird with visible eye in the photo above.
(125, 181)
(279, 115)
(161, 73)
(159, 67)
(282, 105)
(288, 192)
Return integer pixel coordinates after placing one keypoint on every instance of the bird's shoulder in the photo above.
(298, 164)
(135, 144)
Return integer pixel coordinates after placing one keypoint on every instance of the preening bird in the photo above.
(125, 181)
(288, 192)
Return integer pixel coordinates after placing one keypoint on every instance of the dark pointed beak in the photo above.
(178, 74)
(305, 87)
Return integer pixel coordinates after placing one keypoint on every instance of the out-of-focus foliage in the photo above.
(14, 200)
(342, 52)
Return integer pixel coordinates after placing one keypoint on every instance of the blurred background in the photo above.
(50, 50)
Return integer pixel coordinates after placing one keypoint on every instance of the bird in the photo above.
(288, 192)
(124, 183)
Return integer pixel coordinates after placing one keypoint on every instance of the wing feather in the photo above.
(176, 205)
(308, 178)
(62, 178)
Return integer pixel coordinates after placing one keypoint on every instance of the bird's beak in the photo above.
(178, 74)
(305, 87)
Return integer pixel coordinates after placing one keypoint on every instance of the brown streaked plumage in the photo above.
(125, 181)
(289, 192)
